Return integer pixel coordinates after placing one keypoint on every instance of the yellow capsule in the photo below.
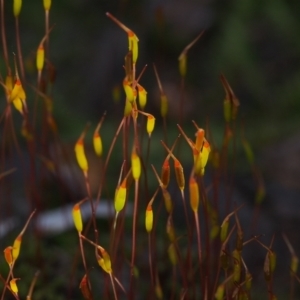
(133, 45)
(17, 7)
(80, 155)
(16, 247)
(40, 58)
(104, 261)
(129, 91)
(13, 285)
(142, 96)
(97, 142)
(150, 124)
(194, 194)
(18, 97)
(47, 4)
(163, 105)
(120, 196)
(77, 217)
(149, 218)
(107, 261)
(136, 165)
(102, 264)
(202, 158)
(8, 255)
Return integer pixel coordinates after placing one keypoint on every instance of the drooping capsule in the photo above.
(18, 97)
(13, 285)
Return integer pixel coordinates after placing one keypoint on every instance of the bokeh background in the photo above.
(255, 44)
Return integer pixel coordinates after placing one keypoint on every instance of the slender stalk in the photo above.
(150, 259)
(133, 248)
(3, 36)
(19, 49)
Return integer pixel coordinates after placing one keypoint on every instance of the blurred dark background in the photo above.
(255, 44)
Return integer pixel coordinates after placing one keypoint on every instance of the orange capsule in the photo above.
(86, 292)
(165, 173)
(194, 194)
(179, 174)
(8, 255)
(178, 169)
